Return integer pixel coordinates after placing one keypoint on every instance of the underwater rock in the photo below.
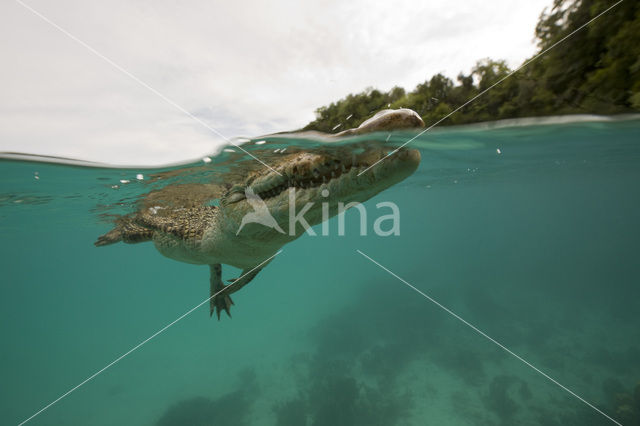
(627, 407)
(330, 395)
(198, 411)
(625, 414)
(612, 386)
(499, 400)
(525, 392)
(231, 409)
(291, 413)
(228, 410)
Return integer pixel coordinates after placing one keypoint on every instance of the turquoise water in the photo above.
(537, 246)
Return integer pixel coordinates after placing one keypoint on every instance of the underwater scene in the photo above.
(509, 295)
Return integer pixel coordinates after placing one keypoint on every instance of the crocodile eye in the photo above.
(234, 195)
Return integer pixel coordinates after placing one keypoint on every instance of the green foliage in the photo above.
(353, 110)
(596, 70)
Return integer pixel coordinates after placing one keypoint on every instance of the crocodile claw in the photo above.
(220, 302)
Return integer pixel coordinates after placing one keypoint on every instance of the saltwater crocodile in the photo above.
(184, 226)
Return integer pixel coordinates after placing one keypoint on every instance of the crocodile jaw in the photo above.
(321, 179)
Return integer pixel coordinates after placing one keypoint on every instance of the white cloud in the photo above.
(246, 68)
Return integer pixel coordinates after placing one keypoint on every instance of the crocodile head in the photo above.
(308, 183)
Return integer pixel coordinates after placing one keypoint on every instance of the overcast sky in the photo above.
(245, 68)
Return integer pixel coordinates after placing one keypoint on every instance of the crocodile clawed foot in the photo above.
(220, 302)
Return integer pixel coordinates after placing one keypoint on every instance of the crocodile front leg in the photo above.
(219, 300)
(221, 294)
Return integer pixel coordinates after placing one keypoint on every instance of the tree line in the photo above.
(594, 71)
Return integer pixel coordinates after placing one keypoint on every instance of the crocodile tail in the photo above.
(127, 231)
(110, 237)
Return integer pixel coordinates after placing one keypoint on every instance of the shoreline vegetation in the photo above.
(595, 71)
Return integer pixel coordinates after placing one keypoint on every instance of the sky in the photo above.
(151, 82)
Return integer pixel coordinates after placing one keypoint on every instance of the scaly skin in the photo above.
(185, 228)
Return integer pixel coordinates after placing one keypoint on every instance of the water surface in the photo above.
(529, 233)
